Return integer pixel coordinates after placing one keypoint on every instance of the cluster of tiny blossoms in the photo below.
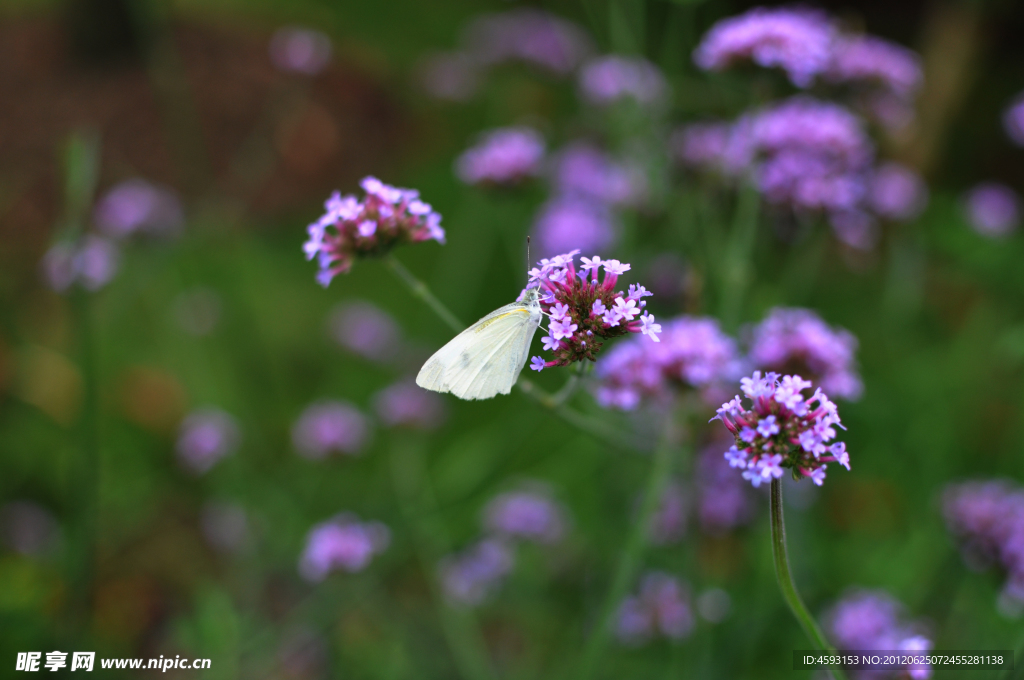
(782, 429)
(350, 228)
(584, 308)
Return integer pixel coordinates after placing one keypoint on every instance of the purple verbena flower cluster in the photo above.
(723, 500)
(584, 308)
(341, 543)
(611, 78)
(504, 156)
(794, 340)
(135, 206)
(206, 436)
(693, 352)
(530, 36)
(992, 209)
(91, 263)
(330, 427)
(473, 575)
(869, 59)
(782, 429)
(662, 607)
(570, 220)
(896, 192)
(873, 620)
(406, 405)
(1013, 120)
(987, 517)
(366, 330)
(529, 514)
(351, 228)
(584, 170)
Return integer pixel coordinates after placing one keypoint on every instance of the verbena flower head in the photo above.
(569, 220)
(987, 517)
(993, 209)
(869, 59)
(661, 608)
(385, 217)
(793, 340)
(406, 405)
(583, 170)
(473, 575)
(330, 427)
(530, 36)
(502, 157)
(609, 79)
(136, 205)
(796, 40)
(584, 309)
(90, 263)
(1013, 120)
(300, 50)
(529, 514)
(873, 620)
(206, 436)
(896, 192)
(28, 528)
(723, 499)
(366, 330)
(225, 526)
(342, 543)
(705, 145)
(782, 429)
(693, 352)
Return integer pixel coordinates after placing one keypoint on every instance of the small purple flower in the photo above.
(798, 41)
(136, 205)
(330, 427)
(993, 209)
(896, 192)
(611, 78)
(869, 59)
(406, 405)
(338, 237)
(473, 575)
(1013, 120)
(800, 426)
(662, 607)
(341, 543)
(451, 76)
(703, 145)
(798, 340)
(529, 514)
(537, 364)
(586, 171)
(530, 36)
(366, 330)
(28, 528)
(225, 526)
(502, 157)
(300, 50)
(206, 436)
(91, 263)
(568, 222)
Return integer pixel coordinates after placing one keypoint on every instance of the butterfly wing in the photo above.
(486, 358)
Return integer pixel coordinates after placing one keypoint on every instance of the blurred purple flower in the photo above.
(529, 514)
(366, 330)
(855, 228)
(992, 209)
(404, 404)
(330, 427)
(225, 526)
(610, 78)
(530, 36)
(450, 76)
(583, 170)
(703, 145)
(872, 620)
(1013, 120)
(473, 575)
(798, 41)
(27, 528)
(136, 205)
(987, 517)
(341, 543)
(300, 50)
(387, 216)
(693, 352)
(661, 607)
(723, 501)
(794, 340)
(503, 156)
(896, 192)
(569, 222)
(205, 436)
(866, 58)
(91, 263)
(669, 522)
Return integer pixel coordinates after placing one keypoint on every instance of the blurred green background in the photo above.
(184, 93)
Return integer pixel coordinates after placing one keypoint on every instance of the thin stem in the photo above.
(420, 290)
(785, 578)
(631, 557)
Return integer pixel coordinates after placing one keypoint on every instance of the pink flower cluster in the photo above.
(583, 308)
(661, 607)
(351, 228)
(782, 429)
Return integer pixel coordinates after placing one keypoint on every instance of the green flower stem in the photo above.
(630, 559)
(420, 290)
(785, 578)
(419, 506)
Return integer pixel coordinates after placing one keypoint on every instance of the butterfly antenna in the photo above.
(527, 259)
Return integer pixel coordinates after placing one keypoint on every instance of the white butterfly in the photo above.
(486, 358)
